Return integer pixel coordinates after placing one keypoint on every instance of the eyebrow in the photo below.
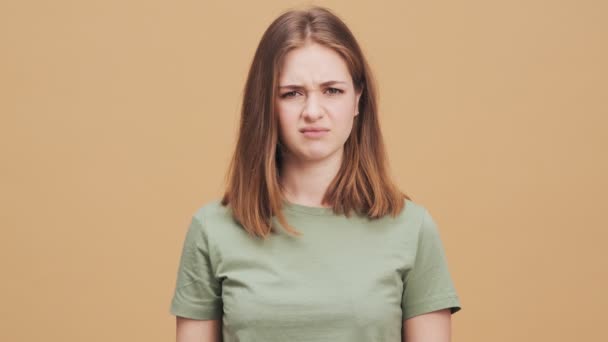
(296, 86)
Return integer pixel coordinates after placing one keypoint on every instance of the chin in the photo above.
(317, 155)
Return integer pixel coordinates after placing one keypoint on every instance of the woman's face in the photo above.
(315, 92)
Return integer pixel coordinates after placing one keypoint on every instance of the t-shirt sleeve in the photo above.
(428, 285)
(197, 292)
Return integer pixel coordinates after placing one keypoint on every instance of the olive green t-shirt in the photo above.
(346, 279)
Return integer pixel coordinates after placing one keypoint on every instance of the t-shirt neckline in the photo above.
(305, 209)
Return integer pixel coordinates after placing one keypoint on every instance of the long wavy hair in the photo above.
(362, 183)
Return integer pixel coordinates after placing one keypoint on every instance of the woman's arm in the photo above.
(192, 330)
(434, 326)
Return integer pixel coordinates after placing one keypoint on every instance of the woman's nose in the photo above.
(313, 108)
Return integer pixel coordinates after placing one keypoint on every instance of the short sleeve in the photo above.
(428, 285)
(197, 292)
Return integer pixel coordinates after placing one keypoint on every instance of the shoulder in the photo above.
(414, 212)
(427, 230)
(419, 219)
(211, 210)
(217, 222)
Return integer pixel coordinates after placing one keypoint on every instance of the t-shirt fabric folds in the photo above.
(345, 279)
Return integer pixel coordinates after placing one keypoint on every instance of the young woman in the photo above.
(311, 240)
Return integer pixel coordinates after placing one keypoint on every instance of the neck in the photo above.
(305, 182)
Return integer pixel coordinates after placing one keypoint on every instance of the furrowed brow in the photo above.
(297, 86)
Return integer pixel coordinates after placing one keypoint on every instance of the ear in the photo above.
(357, 97)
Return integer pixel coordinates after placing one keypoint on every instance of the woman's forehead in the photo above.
(313, 59)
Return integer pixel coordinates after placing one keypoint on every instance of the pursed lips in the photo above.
(314, 129)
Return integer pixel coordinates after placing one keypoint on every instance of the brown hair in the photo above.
(362, 182)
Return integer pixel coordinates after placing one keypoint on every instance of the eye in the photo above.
(332, 91)
(337, 91)
(289, 94)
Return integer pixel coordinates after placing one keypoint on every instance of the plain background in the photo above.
(118, 119)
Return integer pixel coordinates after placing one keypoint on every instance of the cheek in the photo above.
(343, 111)
(289, 109)
(287, 123)
(342, 107)
(288, 114)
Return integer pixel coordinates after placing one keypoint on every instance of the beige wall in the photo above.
(118, 117)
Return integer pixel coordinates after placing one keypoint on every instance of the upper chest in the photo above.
(337, 273)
